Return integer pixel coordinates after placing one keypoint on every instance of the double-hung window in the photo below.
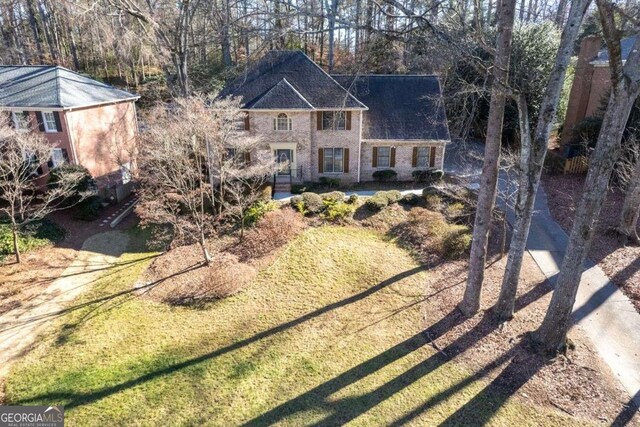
(333, 160)
(422, 157)
(49, 120)
(334, 120)
(384, 157)
(282, 122)
(57, 157)
(20, 120)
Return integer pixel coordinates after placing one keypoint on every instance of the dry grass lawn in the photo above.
(333, 331)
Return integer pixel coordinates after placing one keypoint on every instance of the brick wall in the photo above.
(306, 140)
(404, 157)
(101, 135)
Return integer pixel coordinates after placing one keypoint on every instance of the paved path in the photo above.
(606, 315)
(20, 327)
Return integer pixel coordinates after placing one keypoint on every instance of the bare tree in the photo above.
(487, 196)
(625, 84)
(630, 175)
(533, 153)
(186, 160)
(24, 196)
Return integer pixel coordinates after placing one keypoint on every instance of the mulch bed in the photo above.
(620, 263)
(577, 383)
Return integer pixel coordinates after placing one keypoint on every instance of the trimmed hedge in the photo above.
(428, 176)
(385, 175)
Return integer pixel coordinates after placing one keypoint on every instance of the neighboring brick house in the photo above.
(592, 82)
(87, 122)
(309, 120)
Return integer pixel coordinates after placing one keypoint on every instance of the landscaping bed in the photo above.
(338, 322)
(620, 263)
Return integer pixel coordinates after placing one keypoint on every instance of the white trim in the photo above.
(44, 122)
(360, 146)
(16, 122)
(75, 107)
(408, 141)
(96, 104)
(53, 157)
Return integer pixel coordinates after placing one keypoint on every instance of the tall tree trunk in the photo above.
(487, 196)
(551, 335)
(16, 246)
(332, 10)
(532, 159)
(631, 207)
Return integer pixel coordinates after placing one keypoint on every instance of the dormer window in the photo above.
(282, 122)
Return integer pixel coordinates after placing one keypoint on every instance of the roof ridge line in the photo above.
(58, 92)
(298, 93)
(332, 79)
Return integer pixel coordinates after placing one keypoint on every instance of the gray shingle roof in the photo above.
(53, 87)
(625, 44)
(400, 106)
(285, 79)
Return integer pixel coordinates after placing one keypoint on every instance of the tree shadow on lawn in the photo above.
(79, 399)
(345, 410)
(481, 407)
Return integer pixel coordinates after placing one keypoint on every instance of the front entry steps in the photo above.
(284, 182)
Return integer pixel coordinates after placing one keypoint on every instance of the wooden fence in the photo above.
(578, 164)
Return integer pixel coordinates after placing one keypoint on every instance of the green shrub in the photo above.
(456, 241)
(377, 202)
(455, 210)
(385, 175)
(429, 176)
(88, 209)
(392, 196)
(353, 199)
(312, 203)
(35, 235)
(298, 188)
(410, 199)
(338, 210)
(334, 196)
(297, 203)
(85, 183)
(433, 202)
(256, 211)
(329, 182)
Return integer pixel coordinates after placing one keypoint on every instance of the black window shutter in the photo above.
(40, 121)
(56, 116)
(65, 155)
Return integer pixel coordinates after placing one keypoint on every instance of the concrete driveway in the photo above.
(605, 314)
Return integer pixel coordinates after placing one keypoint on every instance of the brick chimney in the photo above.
(581, 88)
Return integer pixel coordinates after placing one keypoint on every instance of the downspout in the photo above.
(360, 143)
(71, 136)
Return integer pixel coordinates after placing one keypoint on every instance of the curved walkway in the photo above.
(20, 327)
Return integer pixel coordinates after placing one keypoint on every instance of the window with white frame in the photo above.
(384, 157)
(282, 122)
(20, 120)
(49, 120)
(422, 157)
(333, 160)
(335, 120)
(57, 158)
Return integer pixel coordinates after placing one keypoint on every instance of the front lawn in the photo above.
(332, 331)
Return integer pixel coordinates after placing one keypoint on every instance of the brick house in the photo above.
(87, 122)
(341, 126)
(592, 82)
